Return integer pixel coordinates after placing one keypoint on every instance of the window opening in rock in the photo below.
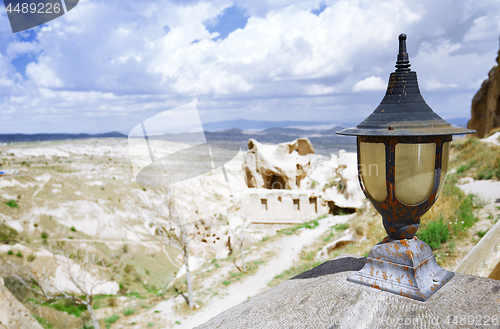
(336, 210)
(263, 203)
(314, 201)
(275, 182)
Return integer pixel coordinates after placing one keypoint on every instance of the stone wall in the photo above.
(283, 206)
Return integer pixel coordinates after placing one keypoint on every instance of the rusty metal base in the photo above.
(405, 267)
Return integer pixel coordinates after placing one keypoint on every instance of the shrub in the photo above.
(434, 234)
(485, 174)
(310, 225)
(10, 252)
(331, 182)
(112, 319)
(341, 227)
(123, 288)
(88, 325)
(328, 237)
(465, 211)
(359, 230)
(68, 306)
(19, 254)
(31, 257)
(44, 235)
(128, 268)
(12, 204)
(128, 311)
(7, 233)
(43, 322)
(73, 229)
(481, 233)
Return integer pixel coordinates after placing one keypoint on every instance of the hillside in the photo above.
(73, 198)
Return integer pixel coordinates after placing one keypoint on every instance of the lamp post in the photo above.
(403, 152)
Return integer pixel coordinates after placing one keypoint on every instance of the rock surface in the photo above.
(485, 111)
(350, 194)
(323, 298)
(13, 314)
(277, 167)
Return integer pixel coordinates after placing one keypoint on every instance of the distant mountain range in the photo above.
(322, 134)
(5, 138)
(324, 141)
(261, 125)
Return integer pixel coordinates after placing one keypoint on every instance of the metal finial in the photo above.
(403, 62)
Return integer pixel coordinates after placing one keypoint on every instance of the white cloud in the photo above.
(372, 83)
(115, 58)
(432, 84)
(43, 75)
(487, 26)
(319, 90)
(16, 48)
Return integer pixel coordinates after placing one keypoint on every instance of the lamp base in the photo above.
(405, 267)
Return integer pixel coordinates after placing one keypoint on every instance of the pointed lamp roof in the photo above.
(403, 111)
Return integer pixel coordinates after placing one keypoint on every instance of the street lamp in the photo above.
(403, 152)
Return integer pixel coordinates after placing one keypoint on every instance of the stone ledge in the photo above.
(323, 298)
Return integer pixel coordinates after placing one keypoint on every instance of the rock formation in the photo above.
(13, 314)
(346, 193)
(208, 238)
(485, 111)
(277, 167)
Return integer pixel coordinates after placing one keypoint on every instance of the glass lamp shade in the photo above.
(414, 170)
(444, 166)
(372, 169)
(414, 166)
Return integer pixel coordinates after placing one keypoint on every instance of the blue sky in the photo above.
(107, 65)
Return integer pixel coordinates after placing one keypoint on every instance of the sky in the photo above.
(108, 65)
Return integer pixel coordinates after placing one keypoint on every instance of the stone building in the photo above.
(265, 206)
(281, 190)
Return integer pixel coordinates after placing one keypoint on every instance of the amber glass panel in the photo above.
(444, 165)
(372, 169)
(415, 165)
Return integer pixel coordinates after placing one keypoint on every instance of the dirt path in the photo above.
(287, 251)
(487, 189)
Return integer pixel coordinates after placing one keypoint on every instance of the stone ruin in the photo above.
(289, 184)
(277, 167)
